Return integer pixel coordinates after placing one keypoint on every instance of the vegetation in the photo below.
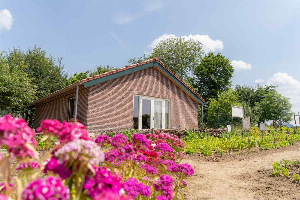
(286, 168)
(213, 75)
(209, 145)
(25, 77)
(82, 75)
(260, 103)
(180, 55)
(77, 167)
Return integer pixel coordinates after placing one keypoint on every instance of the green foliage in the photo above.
(282, 168)
(264, 103)
(82, 75)
(129, 133)
(178, 54)
(276, 169)
(45, 71)
(296, 177)
(213, 75)
(221, 104)
(208, 145)
(276, 107)
(27, 76)
(16, 87)
(43, 143)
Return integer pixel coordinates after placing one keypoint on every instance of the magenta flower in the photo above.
(102, 139)
(111, 196)
(17, 135)
(102, 182)
(119, 140)
(66, 132)
(149, 169)
(134, 189)
(29, 165)
(140, 141)
(182, 168)
(140, 158)
(49, 188)
(164, 186)
(163, 147)
(55, 167)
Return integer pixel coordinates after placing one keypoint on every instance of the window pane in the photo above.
(167, 116)
(157, 114)
(146, 113)
(136, 112)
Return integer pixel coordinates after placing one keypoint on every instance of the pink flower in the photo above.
(29, 165)
(49, 188)
(102, 139)
(102, 182)
(66, 132)
(134, 189)
(17, 135)
(119, 140)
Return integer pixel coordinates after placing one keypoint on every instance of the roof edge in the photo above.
(65, 89)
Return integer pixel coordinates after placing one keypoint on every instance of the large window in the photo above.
(150, 113)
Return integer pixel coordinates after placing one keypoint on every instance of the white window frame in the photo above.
(152, 99)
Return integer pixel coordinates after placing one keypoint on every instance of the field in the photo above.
(243, 175)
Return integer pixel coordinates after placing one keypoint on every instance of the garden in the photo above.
(60, 161)
(77, 167)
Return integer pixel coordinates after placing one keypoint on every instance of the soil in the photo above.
(243, 175)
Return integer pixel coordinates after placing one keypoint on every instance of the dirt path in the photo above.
(233, 177)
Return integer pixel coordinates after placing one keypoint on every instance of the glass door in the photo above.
(157, 114)
(149, 112)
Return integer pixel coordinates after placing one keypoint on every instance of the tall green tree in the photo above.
(178, 54)
(276, 107)
(213, 75)
(263, 103)
(16, 87)
(45, 71)
(34, 73)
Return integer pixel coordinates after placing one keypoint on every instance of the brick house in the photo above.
(141, 96)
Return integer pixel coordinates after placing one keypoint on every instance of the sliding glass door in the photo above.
(151, 113)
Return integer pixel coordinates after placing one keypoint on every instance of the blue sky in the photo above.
(261, 38)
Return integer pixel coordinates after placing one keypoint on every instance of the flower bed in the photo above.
(145, 167)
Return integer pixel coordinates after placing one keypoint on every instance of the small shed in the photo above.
(145, 95)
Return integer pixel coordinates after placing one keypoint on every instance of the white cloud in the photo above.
(207, 42)
(240, 65)
(128, 18)
(288, 87)
(6, 20)
(258, 81)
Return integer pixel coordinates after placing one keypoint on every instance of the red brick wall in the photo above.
(110, 104)
(57, 107)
